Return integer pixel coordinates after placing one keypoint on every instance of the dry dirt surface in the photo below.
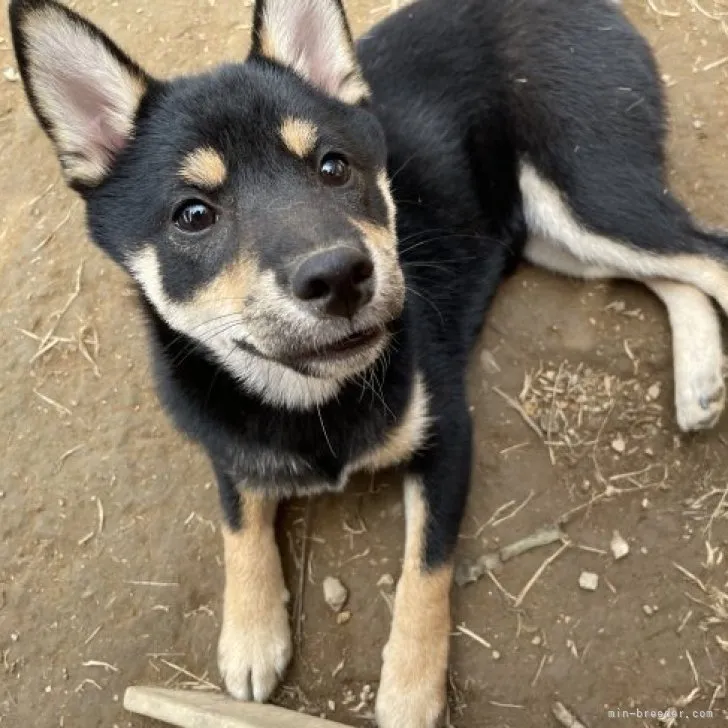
(110, 570)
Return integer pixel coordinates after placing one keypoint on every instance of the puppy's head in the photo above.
(250, 204)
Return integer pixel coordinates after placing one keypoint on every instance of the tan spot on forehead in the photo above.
(299, 136)
(204, 168)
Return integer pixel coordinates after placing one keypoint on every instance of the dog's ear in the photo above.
(84, 90)
(312, 37)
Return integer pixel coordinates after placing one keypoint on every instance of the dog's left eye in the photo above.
(335, 170)
(194, 216)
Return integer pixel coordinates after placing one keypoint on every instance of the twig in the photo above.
(50, 235)
(565, 716)
(52, 402)
(515, 511)
(538, 671)
(187, 673)
(537, 574)
(469, 633)
(514, 404)
(302, 575)
(542, 537)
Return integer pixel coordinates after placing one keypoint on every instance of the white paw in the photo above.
(700, 402)
(412, 692)
(253, 656)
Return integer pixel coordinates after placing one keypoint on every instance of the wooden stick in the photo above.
(191, 709)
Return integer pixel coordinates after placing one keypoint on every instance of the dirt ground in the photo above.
(110, 569)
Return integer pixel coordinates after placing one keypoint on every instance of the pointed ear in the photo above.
(312, 38)
(83, 89)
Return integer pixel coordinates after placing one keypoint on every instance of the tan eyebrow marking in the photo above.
(299, 136)
(204, 168)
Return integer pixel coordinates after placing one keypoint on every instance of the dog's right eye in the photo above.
(194, 216)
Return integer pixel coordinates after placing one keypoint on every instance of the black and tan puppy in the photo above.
(316, 234)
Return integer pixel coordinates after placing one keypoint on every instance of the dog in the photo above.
(316, 234)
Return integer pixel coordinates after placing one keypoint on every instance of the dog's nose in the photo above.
(337, 281)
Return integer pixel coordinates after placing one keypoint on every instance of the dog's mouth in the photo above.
(344, 348)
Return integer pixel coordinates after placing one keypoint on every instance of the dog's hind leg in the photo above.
(697, 353)
(697, 346)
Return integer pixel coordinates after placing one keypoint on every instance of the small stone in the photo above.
(11, 74)
(654, 392)
(647, 609)
(618, 444)
(698, 124)
(536, 640)
(335, 593)
(331, 706)
(496, 655)
(386, 581)
(645, 503)
(619, 547)
(488, 362)
(343, 617)
(14, 636)
(589, 581)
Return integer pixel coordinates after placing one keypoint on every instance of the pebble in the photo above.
(496, 655)
(386, 581)
(488, 362)
(11, 74)
(654, 392)
(343, 617)
(619, 547)
(588, 580)
(536, 640)
(648, 610)
(335, 593)
(618, 444)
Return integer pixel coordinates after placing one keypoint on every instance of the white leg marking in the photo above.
(697, 354)
(412, 690)
(560, 243)
(255, 641)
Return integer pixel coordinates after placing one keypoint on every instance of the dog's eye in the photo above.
(194, 216)
(335, 170)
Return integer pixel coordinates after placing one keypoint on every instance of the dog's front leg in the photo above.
(412, 692)
(255, 641)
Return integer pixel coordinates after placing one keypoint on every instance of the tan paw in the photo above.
(252, 657)
(412, 692)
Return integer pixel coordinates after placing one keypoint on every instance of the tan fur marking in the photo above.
(405, 438)
(380, 236)
(412, 689)
(255, 642)
(204, 168)
(299, 136)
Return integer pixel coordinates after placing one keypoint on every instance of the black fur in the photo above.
(462, 93)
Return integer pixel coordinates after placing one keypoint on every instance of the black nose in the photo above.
(337, 281)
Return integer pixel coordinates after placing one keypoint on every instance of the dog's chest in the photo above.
(328, 459)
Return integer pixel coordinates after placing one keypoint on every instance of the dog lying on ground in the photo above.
(316, 234)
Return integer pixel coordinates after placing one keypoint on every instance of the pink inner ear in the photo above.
(315, 51)
(96, 115)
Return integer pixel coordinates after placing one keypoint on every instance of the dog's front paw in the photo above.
(412, 692)
(701, 400)
(253, 656)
